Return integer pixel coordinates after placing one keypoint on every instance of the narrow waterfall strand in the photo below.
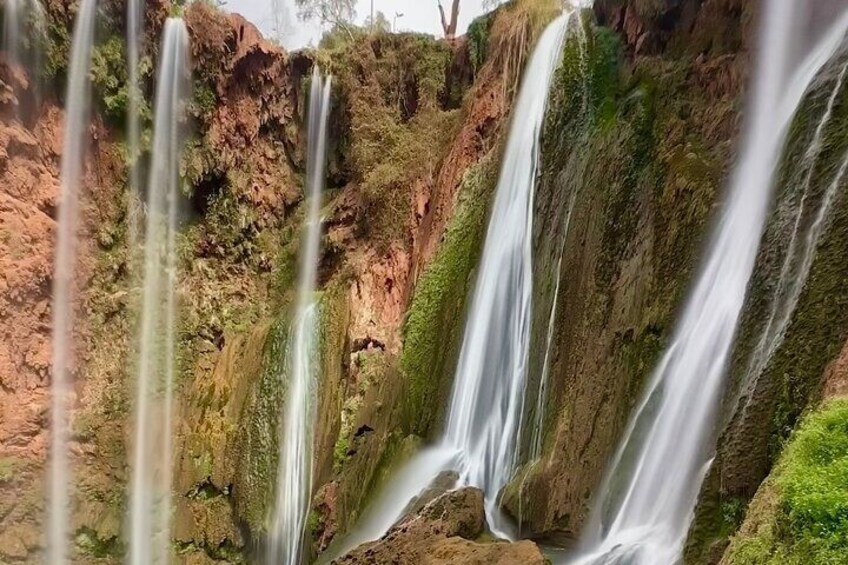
(294, 477)
(488, 393)
(150, 484)
(76, 127)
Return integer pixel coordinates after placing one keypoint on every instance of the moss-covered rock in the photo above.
(435, 321)
(800, 514)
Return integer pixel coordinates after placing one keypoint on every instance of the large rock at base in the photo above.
(443, 532)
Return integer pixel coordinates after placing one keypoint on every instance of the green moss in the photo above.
(809, 522)
(109, 77)
(9, 467)
(88, 543)
(340, 451)
(203, 102)
(478, 39)
(224, 552)
(257, 465)
(435, 321)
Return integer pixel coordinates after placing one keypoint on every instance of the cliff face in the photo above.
(26, 261)
(635, 159)
(796, 317)
(638, 142)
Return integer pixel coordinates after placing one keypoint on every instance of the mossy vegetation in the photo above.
(807, 519)
(90, 544)
(110, 81)
(9, 467)
(435, 322)
(394, 125)
(630, 169)
(256, 469)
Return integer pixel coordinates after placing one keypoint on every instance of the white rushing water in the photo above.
(150, 484)
(294, 475)
(75, 140)
(24, 28)
(648, 497)
(481, 437)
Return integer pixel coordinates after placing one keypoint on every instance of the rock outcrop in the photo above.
(443, 532)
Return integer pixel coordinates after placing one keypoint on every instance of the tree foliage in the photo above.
(333, 13)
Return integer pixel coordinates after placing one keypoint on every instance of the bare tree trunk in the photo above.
(450, 26)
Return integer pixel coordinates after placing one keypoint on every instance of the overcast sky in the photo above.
(418, 15)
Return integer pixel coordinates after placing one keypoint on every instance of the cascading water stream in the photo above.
(12, 23)
(74, 143)
(294, 476)
(27, 16)
(648, 497)
(150, 485)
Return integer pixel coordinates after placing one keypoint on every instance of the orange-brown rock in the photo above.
(836, 376)
(443, 532)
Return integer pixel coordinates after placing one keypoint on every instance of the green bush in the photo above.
(809, 524)
(815, 480)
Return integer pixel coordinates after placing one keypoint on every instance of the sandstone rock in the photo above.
(443, 532)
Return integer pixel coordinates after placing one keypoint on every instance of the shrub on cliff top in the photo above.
(396, 132)
(514, 32)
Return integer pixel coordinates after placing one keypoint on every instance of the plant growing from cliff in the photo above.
(809, 519)
(8, 467)
(109, 79)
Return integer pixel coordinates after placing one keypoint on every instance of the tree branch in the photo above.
(445, 26)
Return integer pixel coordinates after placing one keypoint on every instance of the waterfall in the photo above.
(150, 484)
(12, 23)
(26, 15)
(488, 392)
(647, 500)
(76, 128)
(486, 407)
(294, 475)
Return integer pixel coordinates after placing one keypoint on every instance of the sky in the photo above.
(417, 15)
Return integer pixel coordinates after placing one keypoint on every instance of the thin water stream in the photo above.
(134, 100)
(61, 388)
(24, 35)
(800, 253)
(294, 477)
(150, 483)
